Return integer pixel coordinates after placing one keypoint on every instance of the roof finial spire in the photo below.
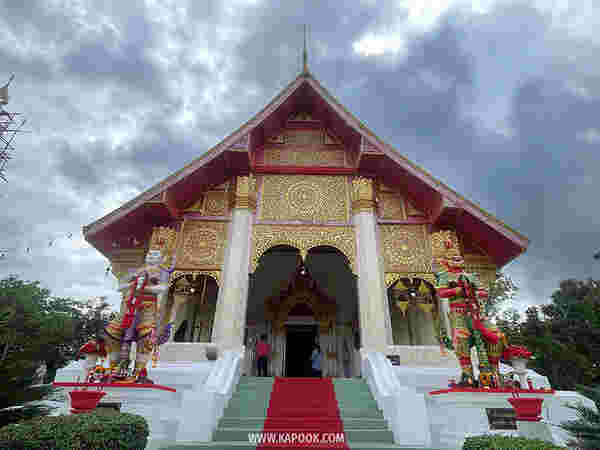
(305, 55)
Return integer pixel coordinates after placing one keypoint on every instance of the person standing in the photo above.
(263, 351)
(316, 361)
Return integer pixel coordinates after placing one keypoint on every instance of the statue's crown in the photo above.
(444, 244)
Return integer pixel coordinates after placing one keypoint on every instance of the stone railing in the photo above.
(183, 352)
(203, 407)
(404, 409)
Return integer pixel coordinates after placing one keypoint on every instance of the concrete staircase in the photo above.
(364, 425)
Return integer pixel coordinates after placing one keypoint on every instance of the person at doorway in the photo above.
(316, 361)
(263, 350)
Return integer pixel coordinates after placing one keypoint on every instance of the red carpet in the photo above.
(303, 413)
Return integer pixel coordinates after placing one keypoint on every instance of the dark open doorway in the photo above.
(299, 346)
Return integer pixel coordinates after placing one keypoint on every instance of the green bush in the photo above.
(97, 430)
(500, 442)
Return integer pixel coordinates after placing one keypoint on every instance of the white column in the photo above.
(230, 315)
(372, 298)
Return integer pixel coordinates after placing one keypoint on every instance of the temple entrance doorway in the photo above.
(299, 346)
(296, 302)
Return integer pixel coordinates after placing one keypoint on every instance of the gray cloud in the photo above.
(502, 106)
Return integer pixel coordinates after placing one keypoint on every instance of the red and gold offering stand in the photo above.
(85, 401)
(527, 409)
(86, 396)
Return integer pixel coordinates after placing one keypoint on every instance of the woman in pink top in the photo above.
(263, 351)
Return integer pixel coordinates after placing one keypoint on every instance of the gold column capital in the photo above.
(363, 195)
(243, 193)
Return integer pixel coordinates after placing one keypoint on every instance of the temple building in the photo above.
(305, 226)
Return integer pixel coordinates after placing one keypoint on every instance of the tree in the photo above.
(500, 291)
(564, 335)
(586, 429)
(36, 328)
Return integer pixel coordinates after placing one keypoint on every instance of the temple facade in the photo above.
(304, 226)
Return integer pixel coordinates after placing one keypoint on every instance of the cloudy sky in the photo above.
(498, 99)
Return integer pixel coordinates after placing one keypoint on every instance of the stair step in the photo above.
(247, 412)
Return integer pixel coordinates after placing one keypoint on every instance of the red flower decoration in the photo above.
(516, 351)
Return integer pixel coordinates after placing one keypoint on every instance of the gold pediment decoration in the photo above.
(202, 245)
(406, 248)
(391, 206)
(278, 310)
(177, 274)
(308, 198)
(392, 277)
(303, 238)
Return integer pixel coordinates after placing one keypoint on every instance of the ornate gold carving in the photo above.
(363, 194)
(202, 244)
(164, 239)
(303, 238)
(278, 312)
(306, 157)
(392, 277)
(406, 248)
(312, 198)
(391, 206)
(214, 274)
(244, 193)
(215, 203)
(306, 148)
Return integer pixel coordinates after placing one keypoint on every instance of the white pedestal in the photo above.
(455, 415)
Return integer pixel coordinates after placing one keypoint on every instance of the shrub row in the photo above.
(98, 430)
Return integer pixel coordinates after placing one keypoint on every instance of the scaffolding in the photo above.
(10, 125)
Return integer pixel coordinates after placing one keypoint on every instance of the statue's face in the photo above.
(154, 257)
